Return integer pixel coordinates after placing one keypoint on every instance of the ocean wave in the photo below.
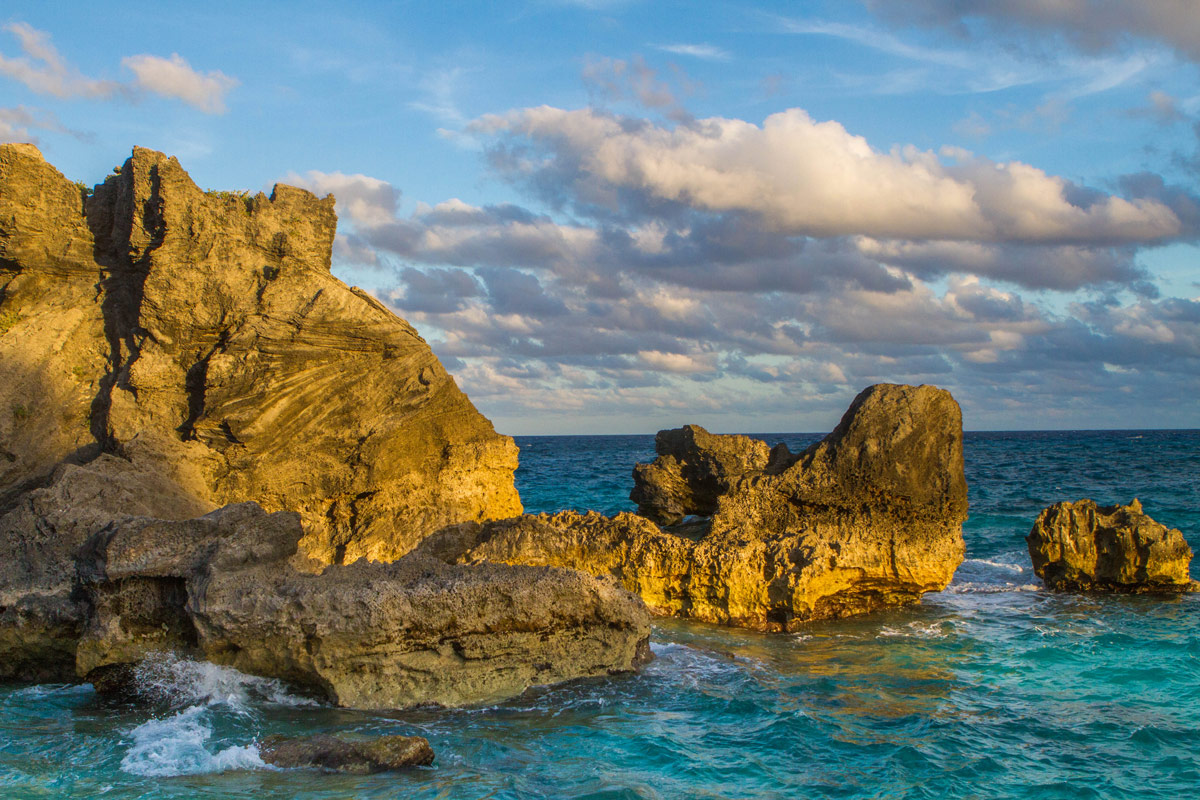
(175, 745)
(969, 587)
(915, 630)
(167, 678)
(1004, 565)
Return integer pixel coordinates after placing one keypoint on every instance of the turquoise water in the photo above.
(991, 689)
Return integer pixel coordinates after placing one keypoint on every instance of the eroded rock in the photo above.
(868, 518)
(1085, 547)
(337, 754)
(200, 335)
(231, 587)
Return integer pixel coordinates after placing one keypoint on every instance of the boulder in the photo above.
(870, 517)
(693, 469)
(1085, 547)
(337, 754)
(232, 587)
(201, 337)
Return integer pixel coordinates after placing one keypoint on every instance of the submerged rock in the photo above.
(868, 518)
(231, 587)
(1084, 547)
(335, 754)
(201, 337)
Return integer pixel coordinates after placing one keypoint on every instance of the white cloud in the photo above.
(44, 71)
(802, 177)
(706, 52)
(174, 77)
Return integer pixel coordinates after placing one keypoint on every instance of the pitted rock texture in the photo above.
(1085, 547)
(201, 336)
(338, 754)
(868, 518)
(693, 469)
(232, 588)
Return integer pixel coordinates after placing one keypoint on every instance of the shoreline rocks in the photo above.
(166, 351)
(231, 587)
(337, 754)
(1086, 547)
(868, 518)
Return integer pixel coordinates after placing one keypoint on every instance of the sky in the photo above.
(612, 216)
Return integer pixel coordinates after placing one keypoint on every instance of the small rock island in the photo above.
(1085, 547)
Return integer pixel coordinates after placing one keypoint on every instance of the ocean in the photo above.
(993, 688)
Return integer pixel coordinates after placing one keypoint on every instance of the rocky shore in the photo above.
(167, 352)
(868, 518)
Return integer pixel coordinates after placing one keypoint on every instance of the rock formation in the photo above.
(1084, 547)
(336, 754)
(200, 335)
(231, 587)
(164, 351)
(869, 517)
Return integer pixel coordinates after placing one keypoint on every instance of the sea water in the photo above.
(991, 689)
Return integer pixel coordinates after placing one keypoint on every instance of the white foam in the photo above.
(164, 677)
(997, 564)
(916, 630)
(968, 587)
(175, 746)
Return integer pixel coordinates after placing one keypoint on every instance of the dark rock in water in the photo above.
(1084, 547)
(693, 469)
(231, 587)
(200, 337)
(335, 754)
(868, 518)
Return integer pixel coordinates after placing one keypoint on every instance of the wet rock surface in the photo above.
(868, 518)
(337, 754)
(1085, 547)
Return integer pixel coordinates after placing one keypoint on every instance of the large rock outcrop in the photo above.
(1085, 547)
(201, 337)
(231, 587)
(869, 517)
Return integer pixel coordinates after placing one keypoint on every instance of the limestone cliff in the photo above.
(200, 337)
(870, 517)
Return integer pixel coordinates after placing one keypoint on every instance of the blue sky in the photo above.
(620, 216)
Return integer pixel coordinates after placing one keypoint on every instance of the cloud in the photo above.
(802, 177)
(17, 125)
(364, 200)
(706, 52)
(617, 80)
(174, 77)
(44, 71)
(1091, 24)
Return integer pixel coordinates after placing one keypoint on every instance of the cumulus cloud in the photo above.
(803, 177)
(1092, 24)
(174, 77)
(43, 70)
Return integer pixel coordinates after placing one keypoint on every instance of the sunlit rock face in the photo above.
(202, 336)
(1085, 547)
(233, 588)
(870, 517)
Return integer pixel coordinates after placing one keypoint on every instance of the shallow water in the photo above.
(992, 688)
